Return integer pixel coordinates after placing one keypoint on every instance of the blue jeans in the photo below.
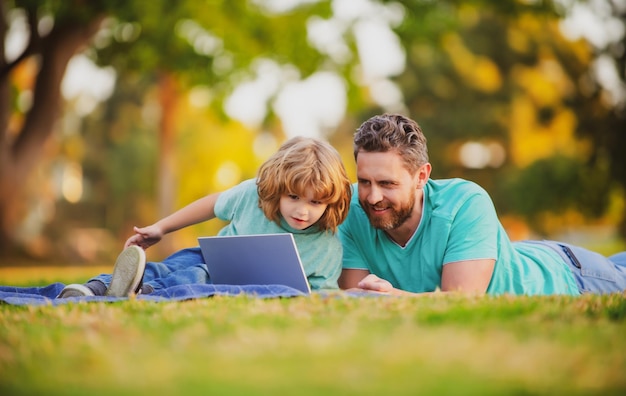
(183, 267)
(594, 273)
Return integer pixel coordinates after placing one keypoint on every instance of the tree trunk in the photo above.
(166, 176)
(18, 156)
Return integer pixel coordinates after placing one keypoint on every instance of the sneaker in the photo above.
(75, 290)
(127, 273)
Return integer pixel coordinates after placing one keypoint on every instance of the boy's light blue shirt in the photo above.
(320, 251)
(459, 223)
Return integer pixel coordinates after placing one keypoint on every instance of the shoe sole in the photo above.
(75, 290)
(127, 273)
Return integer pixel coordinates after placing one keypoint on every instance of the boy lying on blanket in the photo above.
(302, 189)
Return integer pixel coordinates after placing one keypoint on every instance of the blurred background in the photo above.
(117, 113)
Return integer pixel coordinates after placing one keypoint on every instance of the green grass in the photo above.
(333, 345)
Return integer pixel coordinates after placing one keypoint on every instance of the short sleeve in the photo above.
(351, 252)
(474, 231)
(229, 201)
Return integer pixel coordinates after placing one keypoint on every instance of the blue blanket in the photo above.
(45, 295)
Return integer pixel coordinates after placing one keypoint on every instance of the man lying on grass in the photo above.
(406, 233)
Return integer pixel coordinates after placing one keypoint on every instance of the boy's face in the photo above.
(301, 211)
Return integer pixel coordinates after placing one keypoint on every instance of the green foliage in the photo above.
(555, 184)
(188, 37)
(462, 82)
(210, 43)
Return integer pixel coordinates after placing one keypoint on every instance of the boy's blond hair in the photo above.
(301, 165)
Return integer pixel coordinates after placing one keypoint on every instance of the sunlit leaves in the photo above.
(479, 71)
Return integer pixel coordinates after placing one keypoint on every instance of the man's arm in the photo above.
(350, 278)
(470, 277)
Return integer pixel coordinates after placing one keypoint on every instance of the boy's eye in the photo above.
(293, 196)
(316, 202)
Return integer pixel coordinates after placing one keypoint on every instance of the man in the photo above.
(406, 233)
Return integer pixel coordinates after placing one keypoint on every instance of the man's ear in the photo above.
(423, 174)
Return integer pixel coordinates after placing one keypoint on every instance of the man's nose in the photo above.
(374, 195)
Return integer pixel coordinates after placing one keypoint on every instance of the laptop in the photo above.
(268, 259)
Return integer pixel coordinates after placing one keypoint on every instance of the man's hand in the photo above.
(373, 283)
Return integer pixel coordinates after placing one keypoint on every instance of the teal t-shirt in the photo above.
(320, 251)
(459, 222)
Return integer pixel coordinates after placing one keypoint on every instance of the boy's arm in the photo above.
(196, 212)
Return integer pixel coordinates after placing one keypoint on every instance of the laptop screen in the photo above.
(269, 259)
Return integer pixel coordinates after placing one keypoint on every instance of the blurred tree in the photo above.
(501, 76)
(24, 133)
(483, 78)
(177, 44)
(601, 105)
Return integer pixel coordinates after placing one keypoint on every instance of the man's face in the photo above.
(387, 190)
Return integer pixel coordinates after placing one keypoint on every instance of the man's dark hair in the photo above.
(393, 132)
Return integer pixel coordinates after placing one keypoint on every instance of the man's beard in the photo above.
(393, 219)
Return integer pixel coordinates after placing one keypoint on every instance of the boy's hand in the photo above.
(145, 237)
